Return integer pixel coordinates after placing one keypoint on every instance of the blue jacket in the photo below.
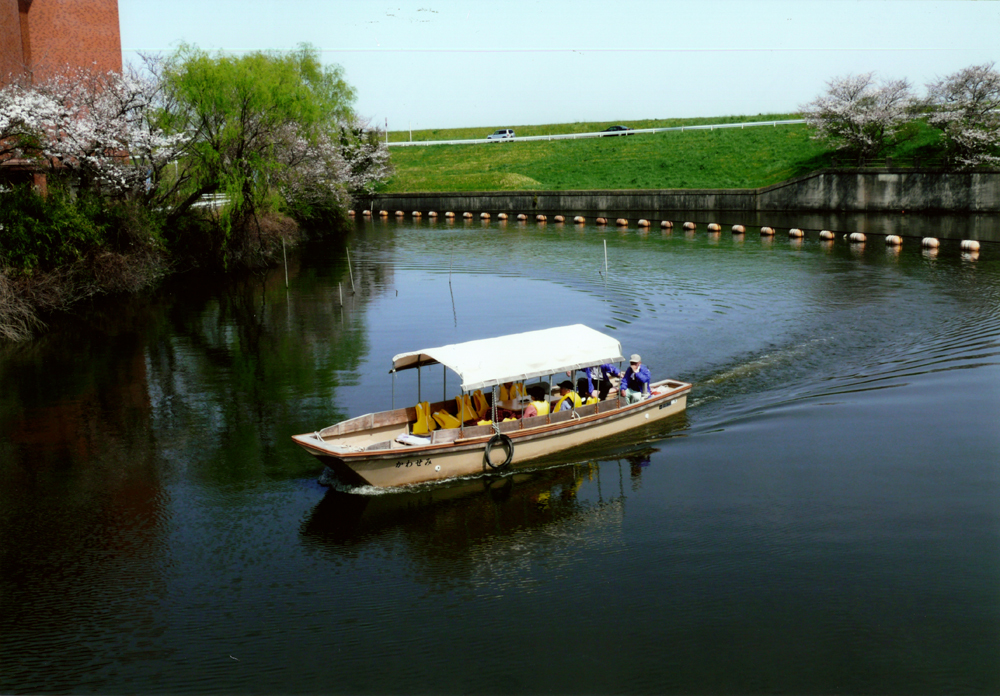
(599, 373)
(636, 381)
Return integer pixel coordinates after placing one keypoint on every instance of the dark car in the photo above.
(617, 130)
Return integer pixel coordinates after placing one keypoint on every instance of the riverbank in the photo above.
(827, 190)
(730, 158)
(57, 251)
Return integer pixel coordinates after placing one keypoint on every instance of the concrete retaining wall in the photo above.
(886, 190)
(881, 190)
(583, 201)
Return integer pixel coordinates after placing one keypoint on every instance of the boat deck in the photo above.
(378, 432)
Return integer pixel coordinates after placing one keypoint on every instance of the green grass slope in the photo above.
(480, 133)
(717, 159)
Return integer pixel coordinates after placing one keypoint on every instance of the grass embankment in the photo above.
(717, 159)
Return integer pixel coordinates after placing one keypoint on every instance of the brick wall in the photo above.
(11, 59)
(51, 35)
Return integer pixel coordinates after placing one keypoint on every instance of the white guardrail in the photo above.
(599, 134)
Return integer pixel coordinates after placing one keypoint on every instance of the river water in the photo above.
(825, 517)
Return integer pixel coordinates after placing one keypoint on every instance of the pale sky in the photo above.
(448, 63)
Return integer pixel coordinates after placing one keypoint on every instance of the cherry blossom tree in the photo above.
(366, 157)
(23, 115)
(860, 115)
(98, 126)
(966, 107)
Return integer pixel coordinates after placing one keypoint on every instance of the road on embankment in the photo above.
(598, 134)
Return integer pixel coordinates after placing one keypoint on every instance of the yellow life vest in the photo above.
(482, 408)
(463, 408)
(516, 390)
(425, 422)
(542, 407)
(572, 396)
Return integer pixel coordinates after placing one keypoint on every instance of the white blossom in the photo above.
(319, 169)
(99, 126)
(966, 107)
(859, 115)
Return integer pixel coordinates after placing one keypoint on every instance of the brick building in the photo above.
(40, 38)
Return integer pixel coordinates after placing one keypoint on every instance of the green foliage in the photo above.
(240, 109)
(45, 233)
(261, 122)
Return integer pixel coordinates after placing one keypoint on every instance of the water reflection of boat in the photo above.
(380, 449)
(454, 515)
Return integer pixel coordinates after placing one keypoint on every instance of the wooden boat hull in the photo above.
(409, 465)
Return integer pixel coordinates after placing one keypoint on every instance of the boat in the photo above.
(402, 447)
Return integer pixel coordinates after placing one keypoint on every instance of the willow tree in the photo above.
(263, 127)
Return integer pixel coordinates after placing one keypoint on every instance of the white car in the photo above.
(502, 134)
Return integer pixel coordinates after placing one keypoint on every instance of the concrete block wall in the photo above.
(886, 190)
(824, 191)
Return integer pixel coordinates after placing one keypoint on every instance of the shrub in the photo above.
(44, 233)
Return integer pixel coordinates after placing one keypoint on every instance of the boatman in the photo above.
(635, 383)
(568, 399)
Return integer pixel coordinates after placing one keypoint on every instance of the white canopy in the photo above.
(492, 361)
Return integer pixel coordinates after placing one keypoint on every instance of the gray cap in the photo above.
(635, 358)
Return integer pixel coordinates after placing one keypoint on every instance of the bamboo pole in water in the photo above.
(285, 256)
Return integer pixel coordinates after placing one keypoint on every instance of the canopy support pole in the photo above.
(444, 374)
(419, 400)
(393, 390)
(493, 417)
(548, 397)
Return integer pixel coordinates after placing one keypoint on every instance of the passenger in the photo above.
(568, 399)
(538, 406)
(598, 382)
(635, 383)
